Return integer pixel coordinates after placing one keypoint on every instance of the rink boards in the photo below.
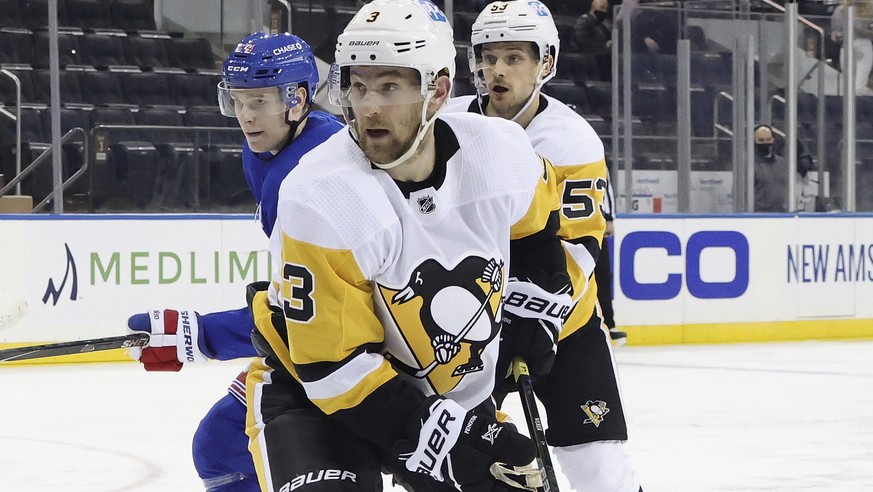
(678, 279)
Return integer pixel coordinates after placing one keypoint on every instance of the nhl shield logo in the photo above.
(426, 204)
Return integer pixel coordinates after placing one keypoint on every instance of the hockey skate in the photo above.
(619, 338)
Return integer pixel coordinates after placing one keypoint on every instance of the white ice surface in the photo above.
(763, 417)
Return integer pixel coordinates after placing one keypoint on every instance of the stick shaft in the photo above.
(75, 347)
(535, 424)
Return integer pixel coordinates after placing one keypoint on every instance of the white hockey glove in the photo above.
(532, 322)
(175, 339)
(459, 447)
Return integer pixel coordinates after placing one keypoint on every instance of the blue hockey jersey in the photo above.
(227, 334)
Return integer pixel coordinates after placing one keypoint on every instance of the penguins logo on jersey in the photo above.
(448, 317)
(595, 410)
(426, 204)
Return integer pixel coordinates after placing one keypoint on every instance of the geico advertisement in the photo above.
(73, 278)
(742, 269)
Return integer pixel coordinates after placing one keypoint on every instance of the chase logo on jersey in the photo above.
(426, 204)
(595, 410)
(447, 317)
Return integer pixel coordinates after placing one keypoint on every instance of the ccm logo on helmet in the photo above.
(287, 48)
(233, 68)
(363, 43)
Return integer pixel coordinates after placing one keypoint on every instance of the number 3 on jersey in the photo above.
(577, 201)
(297, 286)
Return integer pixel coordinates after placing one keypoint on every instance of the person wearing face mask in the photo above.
(771, 188)
(592, 34)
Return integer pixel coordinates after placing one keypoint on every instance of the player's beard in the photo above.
(402, 122)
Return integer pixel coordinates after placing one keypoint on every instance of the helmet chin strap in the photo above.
(541, 81)
(295, 124)
(533, 94)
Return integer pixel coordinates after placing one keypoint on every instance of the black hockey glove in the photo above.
(534, 340)
(459, 447)
(532, 321)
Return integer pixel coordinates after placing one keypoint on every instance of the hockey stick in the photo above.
(76, 347)
(15, 313)
(534, 424)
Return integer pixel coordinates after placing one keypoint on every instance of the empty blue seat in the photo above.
(569, 93)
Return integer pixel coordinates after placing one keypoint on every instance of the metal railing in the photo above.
(17, 118)
(42, 158)
(821, 65)
(287, 6)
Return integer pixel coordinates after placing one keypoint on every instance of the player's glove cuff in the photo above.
(174, 338)
(529, 300)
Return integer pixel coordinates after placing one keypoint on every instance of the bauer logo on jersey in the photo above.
(595, 410)
(447, 317)
(426, 204)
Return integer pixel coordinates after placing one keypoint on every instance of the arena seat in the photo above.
(71, 92)
(89, 15)
(578, 67)
(128, 178)
(69, 53)
(653, 102)
(7, 87)
(34, 14)
(569, 93)
(145, 52)
(10, 14)
(192, 90)
(146, 89)
(190, 54)
(104, 52)
(599, 97)
(103, 89)
(709, 69)
(17, 49)
(132, 15)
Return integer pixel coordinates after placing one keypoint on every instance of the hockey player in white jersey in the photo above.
(398, 240)
(514, 51)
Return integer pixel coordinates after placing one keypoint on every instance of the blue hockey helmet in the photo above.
(263, 60)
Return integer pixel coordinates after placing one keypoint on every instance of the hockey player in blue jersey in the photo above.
(269, 85)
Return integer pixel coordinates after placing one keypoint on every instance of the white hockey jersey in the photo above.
(373, 270)
(572, 146)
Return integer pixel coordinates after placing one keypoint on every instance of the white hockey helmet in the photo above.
(516, 20)
(397, 33)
